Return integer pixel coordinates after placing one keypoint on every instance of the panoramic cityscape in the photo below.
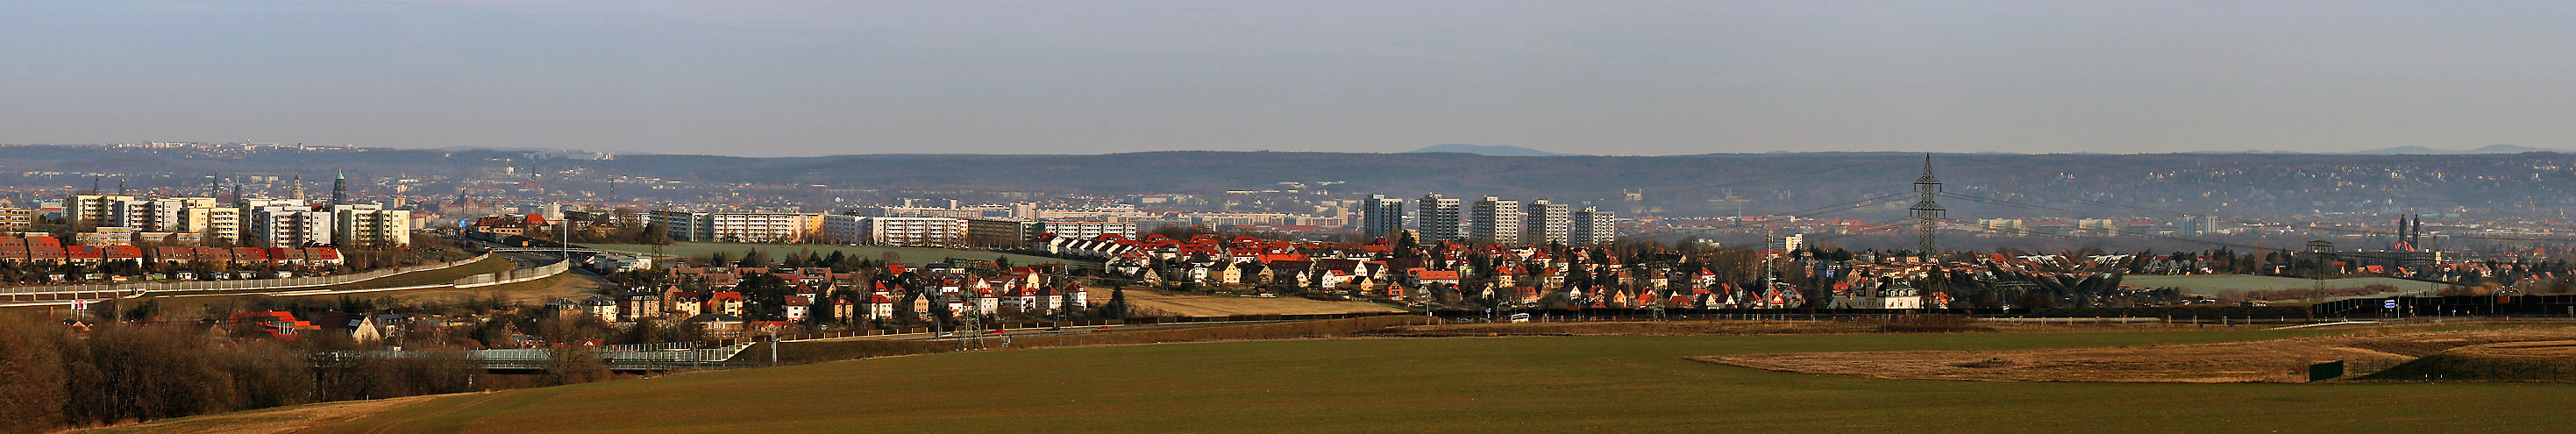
(1955, 217)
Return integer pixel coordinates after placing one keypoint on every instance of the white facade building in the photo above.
(1593, 226)
(895, 231)
(1087, 230)
(756, 227)
(1547, 222)
(287, 226)
(370, 225)
(1495, 220)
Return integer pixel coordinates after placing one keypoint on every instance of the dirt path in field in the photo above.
(272, 421)
(2281, 360)
(1179, 304)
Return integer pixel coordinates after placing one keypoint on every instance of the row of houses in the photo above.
(48, 250)
(816, 294)
(1585, 276)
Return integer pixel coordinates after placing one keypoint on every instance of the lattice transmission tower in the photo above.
(1927, 213)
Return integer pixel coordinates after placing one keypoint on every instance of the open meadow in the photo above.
(1501, 384)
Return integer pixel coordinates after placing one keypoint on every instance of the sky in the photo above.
(801, 78)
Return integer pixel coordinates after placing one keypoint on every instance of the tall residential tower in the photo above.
(1495, 220)
(1437, 218)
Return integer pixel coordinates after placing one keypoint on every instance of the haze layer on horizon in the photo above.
(780, 78)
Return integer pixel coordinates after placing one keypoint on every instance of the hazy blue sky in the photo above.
(1619, 77)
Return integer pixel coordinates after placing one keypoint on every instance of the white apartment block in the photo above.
(845, 229)
(190, 215)
(682, 225)
(223, 223)
(95, 209)
(370, 225)
(1593, 226)
(1495, 220)
(1547, 222)
(1437, 218)
(287, 226)
(1087, 230)
(895, 231)
(1214, 219)
(756, 227)
(164, 215)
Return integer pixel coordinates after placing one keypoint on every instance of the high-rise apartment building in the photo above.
(1547, 222)
(1495, 220)
(1593, 226)
(287, 226)
(96, 210)
(1437, 218)
(1381, 216)
(370, 225)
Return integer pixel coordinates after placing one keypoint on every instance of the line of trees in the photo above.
(51, 377)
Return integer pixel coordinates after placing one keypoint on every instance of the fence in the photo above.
(1021, 325)
(639, 357)
(96, 292)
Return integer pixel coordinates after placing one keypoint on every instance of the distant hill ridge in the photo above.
(1488, 150)
(2489, 149)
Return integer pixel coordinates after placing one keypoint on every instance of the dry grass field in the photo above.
(1465, 385)
(1162, 303)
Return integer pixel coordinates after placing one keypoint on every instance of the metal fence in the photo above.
(1023, 325)
(638, 357)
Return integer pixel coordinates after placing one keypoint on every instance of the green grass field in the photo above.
(911, 255)
(1480, 385)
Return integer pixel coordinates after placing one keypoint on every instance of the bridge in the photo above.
(630, 358)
